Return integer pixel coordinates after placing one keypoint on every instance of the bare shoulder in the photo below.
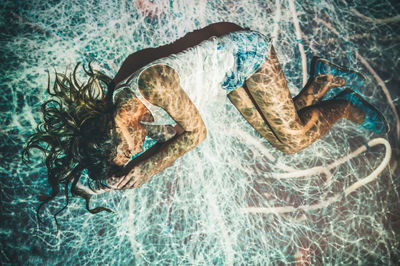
(160, 85)
(158, 79)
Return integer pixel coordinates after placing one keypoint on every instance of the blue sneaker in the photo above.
(353, 79)
(373, 119)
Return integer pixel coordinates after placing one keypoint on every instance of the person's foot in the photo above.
(353, 79)
(373, 120)
(316, 89)
(323, 83)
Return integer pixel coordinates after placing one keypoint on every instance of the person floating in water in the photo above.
(105, 125)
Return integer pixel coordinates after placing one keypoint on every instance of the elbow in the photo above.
(199, 135)
(202, 134)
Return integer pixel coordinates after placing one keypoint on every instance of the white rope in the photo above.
(299, 38)
(326, 202)
(376, 20)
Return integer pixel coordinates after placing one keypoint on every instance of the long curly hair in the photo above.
(75, 134)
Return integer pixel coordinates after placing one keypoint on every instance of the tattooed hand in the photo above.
(136, 177)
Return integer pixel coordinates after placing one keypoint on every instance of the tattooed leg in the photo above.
(241, 99)
(293, 130)
(311, 94)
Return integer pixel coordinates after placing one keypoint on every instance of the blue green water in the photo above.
(197, 211)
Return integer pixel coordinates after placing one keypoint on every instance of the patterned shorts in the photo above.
(250, 50)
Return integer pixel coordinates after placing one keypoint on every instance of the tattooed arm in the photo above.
(160, 86)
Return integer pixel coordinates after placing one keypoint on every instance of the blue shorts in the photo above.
(250, 50)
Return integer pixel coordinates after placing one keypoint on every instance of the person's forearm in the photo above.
(163, 158)
(150, 152)
(168, 154)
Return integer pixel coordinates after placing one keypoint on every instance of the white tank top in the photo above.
(204, 68)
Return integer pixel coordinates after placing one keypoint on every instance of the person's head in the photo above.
(75, 133)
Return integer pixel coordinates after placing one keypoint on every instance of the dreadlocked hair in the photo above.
(73, 134)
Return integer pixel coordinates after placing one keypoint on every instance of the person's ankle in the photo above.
(325, 82)
(329, 80)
